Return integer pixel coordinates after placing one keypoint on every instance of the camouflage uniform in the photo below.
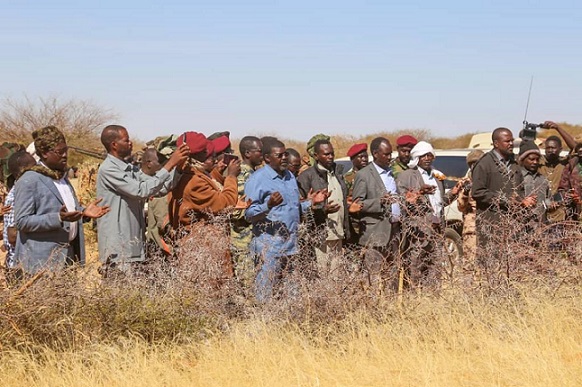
(349, 178)
(397, 167)
(241, 233)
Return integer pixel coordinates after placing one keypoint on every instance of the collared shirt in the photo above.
(335, 221)
(436, 200)
(390, 185)
(124, 189)
(534, 183)
(275, 229)
(9, 222)
(505, 162)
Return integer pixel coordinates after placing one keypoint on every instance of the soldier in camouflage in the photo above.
(358, 154)
(241, 231)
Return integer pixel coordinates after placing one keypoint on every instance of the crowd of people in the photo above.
(388, 213)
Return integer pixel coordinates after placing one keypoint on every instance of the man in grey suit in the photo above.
(48, 215)
(375, 188)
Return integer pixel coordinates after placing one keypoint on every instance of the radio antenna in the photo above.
(528, 97)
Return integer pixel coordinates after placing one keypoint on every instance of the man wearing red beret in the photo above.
(358, 154)
(404, 145)
(198, 196)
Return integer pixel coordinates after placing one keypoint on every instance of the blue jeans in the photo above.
(269, 277)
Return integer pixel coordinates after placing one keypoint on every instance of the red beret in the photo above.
(197, 142)
(358, 148)
(221, 144)
(406, 140)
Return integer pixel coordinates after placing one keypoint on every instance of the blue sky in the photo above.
(301, 67)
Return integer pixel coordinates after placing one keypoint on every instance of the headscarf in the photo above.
(47, 138)
(311, 145)
(419, 149)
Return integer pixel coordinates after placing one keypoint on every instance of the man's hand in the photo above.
(573, 195)
(275, 200)
(428, 189)
(178, 158)
(413, 197)
(4, 210)
(355, 206)
(69, 216)
(550, 125)
(331, 207)
(318, 197)
(529, 201)
(94, 211)
(221, 165)
(460, 185)
(233, 168)
(242, 203)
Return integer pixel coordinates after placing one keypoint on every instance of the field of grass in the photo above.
(527, 338)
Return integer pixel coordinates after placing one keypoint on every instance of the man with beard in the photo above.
(275, 213)
(125, 189)
(404, 145)
(423, 220)
(48, 215)
(498, 191)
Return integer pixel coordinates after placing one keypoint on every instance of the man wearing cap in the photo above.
(535, 184)
(47, 214)
(199, 197)
(358, 155)
(121, 233)
(331, 222)
(423, 220)
(404, 145)
(498, 191)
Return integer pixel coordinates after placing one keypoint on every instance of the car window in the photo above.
(453, 167)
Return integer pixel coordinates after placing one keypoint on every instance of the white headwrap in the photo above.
(419, 149)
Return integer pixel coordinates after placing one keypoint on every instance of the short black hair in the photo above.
(375, 144)
(247, 143)
(110, 134)
(554, 138)
(268, 147)
(319, 143)
(293, 152)
(497, 132)
(17, 162)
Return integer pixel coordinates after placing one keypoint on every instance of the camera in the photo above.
(467, 187)
(528, 133)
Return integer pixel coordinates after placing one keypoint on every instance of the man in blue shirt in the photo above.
(275, 213)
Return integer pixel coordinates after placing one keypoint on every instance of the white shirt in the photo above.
(436, 200)
(68, 197)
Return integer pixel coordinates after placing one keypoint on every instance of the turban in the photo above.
(311, 145)
(419, 149)
(197, 142)
(356, 149)
(406, 140)
(47, 138)
(527, 148)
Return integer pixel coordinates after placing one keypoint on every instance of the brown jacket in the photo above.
(197, 196)
(570, 181)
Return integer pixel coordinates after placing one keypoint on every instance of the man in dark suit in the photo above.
(48, 215)
(375, 189)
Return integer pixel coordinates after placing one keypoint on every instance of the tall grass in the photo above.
(533, 338)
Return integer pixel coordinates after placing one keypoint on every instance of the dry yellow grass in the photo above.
(522, 340)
